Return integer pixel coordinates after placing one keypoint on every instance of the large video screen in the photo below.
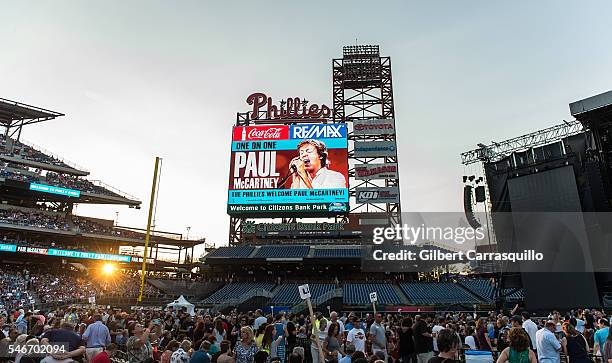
(289, 169)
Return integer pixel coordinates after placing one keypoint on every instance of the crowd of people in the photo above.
(13, 289)
(34, 219)
(66, 222)
(27, 152)
(59, 180)
(42, 285)
(176, 336)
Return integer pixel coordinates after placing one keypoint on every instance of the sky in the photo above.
(141, 79)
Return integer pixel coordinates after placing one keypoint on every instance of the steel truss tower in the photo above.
(362, 90)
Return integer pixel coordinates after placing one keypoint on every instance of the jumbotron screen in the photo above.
(289, 169)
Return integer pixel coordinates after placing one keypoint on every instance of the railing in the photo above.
(337, 292)
(51, 154)
(259, 292)
(121, 193)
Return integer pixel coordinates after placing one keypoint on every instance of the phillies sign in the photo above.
(291, 108)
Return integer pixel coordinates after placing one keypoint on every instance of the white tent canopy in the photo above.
(181, 302)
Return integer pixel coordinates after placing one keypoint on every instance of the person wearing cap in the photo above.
(547, 344)
(601, 335)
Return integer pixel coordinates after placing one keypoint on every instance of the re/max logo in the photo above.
(318, 131)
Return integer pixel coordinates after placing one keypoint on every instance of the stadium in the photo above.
(308, 186)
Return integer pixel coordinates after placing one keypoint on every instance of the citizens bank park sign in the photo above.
(251, 227)
(376, 171)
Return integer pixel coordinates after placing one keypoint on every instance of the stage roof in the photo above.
(12, 112)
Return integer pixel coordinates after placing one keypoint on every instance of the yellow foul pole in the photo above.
(148, 235)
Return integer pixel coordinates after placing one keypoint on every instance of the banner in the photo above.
(377, 195)
(374, 127)
(296, 169)
(375, 149)
(55, 190)
(63, 253)
(376, 171)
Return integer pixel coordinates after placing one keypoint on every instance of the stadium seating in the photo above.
(479, 287)
(13, 289)
(235, 290)
(513, 294)
(282, 252)
(437, 293)
(288, 294)
(228, 252)
(359, 294)
(337, 252)
(29, 153)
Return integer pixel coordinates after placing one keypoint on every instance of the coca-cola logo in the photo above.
(267, 133)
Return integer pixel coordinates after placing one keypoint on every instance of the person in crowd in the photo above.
(295, 358)
(260, 334)
(259, 319)
(349, 350)
(291, 334)
(607, 353)
(97, 337)
(224, 354)
(531, 328)
(333, 318)
(518, 350)
(548, 346)
(501, 333)
(332, 343)
(201, 355)
(423, 340)
(106, 355)
(448, 346)
(245, 349)
(379, 338)
(269, 343)
(406, 341)
(577, 347)
(482, 337)
(65, 334)
(601, 335)
(434, 333)
(219, 331)
(470, 338)
(138, 346)
(280, 332)
(171, 347)
(183, 353)
(317, 341)
(356, 335)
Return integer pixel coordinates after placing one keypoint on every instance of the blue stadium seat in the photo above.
(338, 252)
(282, 252)
(480, 287)
(359, 294)
(437, 293)
(239, 251)
(288, 294)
